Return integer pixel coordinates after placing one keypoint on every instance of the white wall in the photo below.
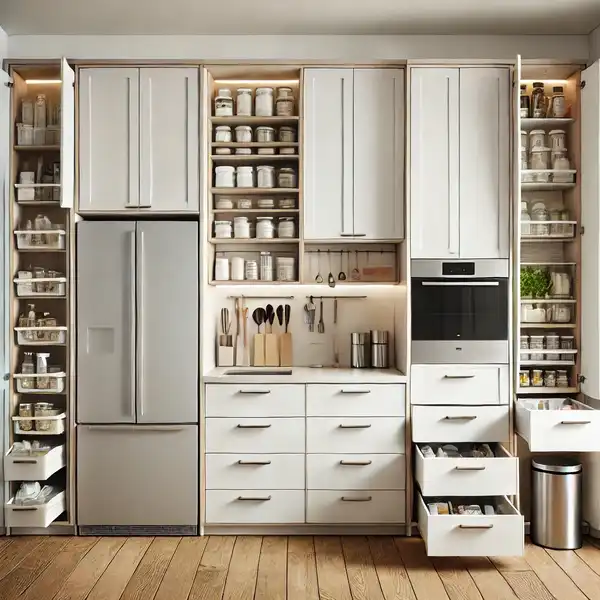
(302, 48)
(3, 45)
(594, 39)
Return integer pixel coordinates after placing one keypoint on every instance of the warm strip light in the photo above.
(42, 81)
(562, 82)
(256, 81)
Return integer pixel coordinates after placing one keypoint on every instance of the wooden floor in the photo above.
(276, 568)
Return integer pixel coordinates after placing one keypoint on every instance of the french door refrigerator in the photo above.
(137, 377)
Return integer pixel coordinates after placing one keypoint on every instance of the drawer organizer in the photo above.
(41, 336)
(24, 467)
(30, 239)
(52, 425)
(46, 383)
(41, 287)
(40, 515)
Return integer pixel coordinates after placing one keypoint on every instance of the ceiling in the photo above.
(188, 17)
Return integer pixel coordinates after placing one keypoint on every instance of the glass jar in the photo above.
(265, 203)
(538, 101)
(241, 227)
(537, 378)
(558, 139)
(245, 177)
(284, 105)
(567, 229)
(265, 134)
(28, 368)
(243, 134)
(552, 342)
(287, 134)
(266, 266)
(537, 139)
(265, 176)
(558, 106)
(224, 203)
(562, 379)
(224, 103)
(264, 228)
(26, 410)
(540, 158)
(286, 203)
(251, 270)
(225, 176)
(525, 103)
(549, 378)
(286, 266)
(525, 219)
(561, 313)
(286, 228)
(524, 379)
(264, 102)
(286, 178)
(222, 229)
(539, 214)
(43, 409)
(560, 162)
(567, 342)
(244, 204)
(223, 133)
(244, 102)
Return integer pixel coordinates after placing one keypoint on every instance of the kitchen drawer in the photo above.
(459, 384)
(465, 423)
(254, 400)
(255, 506)
(351, 400)
(41, 515)
(355, 472)
(255, 471)
(257, 436)
(370, 435)
(558, 430)
(496, 476)
(470, 535)
(34, 468)
(356, 507)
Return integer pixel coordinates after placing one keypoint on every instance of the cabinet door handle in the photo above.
(31, 461)
(342, 426)
(23, 508)
(140, 329)
(133, 317)
(350, 499)
(356, 463)
(355, 391)
(240, 426)
(459, 376)
(254, 498)
(469, 468)
(490, 526)
(257, 392)
(460, 418)
(353, 234)
(253, 462)
(575, 422)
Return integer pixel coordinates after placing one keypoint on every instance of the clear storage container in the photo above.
(286, 178)
(558, 139)
(41, 336)
(224, 176)
(286, 227)
(265, 228)
(243, 134)
(266, 266)
(24, 134)
(537, 139)
(264, 102)
(31, 239)
(265, 176)
(53, 425)
(264, 135)
(287, 134)
(245, 177)
(285, 102)
(244, 102)
(224, 103)
(285, 268)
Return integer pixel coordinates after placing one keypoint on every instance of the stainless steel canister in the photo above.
(359, 350)
(380, 349)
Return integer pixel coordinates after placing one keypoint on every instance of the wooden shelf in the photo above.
(252, 282)
(40, 249)
(555, 391)
(254, 241)
(555, 239)
(530, 123)
(548, 301)
(546, 363)
(548, 326)
(253, 145)
(256, 121)
(41, 297)
(253, 191)
(548, 264)
(37, 148)
(51, 203)
(255, 211)
(546, 187)
(235, 158)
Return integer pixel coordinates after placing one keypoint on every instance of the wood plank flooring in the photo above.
(284, 568)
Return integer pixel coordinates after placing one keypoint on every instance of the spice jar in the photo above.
(251, 270)
(524, 379)
(264, 228)
(266, 266)
(241, 227)
(286, 178)
(562, 380)
(244, 203)
(285, 268)
(243, 134)
(223, 133)
(558, 139)
(244, 102)
(265, 176)
(287, 134)
(537, 139)
(537, 378)
(25, 410)
(285, 102)
(538, 101)
(264, 102)
(224, 176)
(286, 203)
(550, 378)
(222, 229)
(265, 134)
(245, 177)
(558, 106)
(286, 228)
(524, 103)
(237, 268)
(224, 103)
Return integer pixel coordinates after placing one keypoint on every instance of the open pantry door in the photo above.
(516, 212)
(67, 136)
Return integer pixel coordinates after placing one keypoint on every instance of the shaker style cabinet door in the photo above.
(169, 139)
(378, 153)
(434, 160)
(108, 139)
(67, 135)
(328, 148)
(484, 162)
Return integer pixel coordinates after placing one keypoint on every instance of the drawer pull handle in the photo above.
(254, 498)
(459, 376)
(254, 392)
(31, 461)
(460, 418)
(356, 463)
(366, 426)
(240, 426)
(469, 468)
(253, 462)
(490, 526)
(348, 499)
(575, 422)
(355, 391)
(24, 508)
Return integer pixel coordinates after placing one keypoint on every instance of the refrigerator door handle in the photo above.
(136, 428)
(140, 327)
(132, 308)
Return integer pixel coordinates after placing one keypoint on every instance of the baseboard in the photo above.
(306, 529)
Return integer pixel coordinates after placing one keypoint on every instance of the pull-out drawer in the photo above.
(547, 428)
(355, 471)
(255, 506)
(254, 400)
(459, 384)
(20, 467)
(465, 423)
(254, 471)
(356, 507)
(469, 535)
(372, 435)
(269, 436)
(41, 515)
(352, 400)
(496, 476)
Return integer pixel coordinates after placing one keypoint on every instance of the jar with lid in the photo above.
(549, 378)
(224, 203)
(287, 134)
(264, 228)
(284, 105)
(223, 133)
(265, 203)
(224, 176)
(539, 214)
(266, 176)
(567, 342)
(266, 266)
(286, 203)
(537, 139)
(525, 103)
(237, 268)
(245, 177)
(243, 134)
(244, 203)
(286, 178)
(560, 313)
(251, 271)
(536, 342)
(224, 103)
(537, 378)
(286, 228)
(540, 158)
(525, 219)
(244, 102)
(221, 268)
(562, 379)
(264, 102)
(538, 101)
(552, 341)
(241, 227)
(560, 162)
(558, 106)
(222, 229)
(555, 227)
(285, 268)
(558, 139)
(44, 409)
(265, 135)
(524, 380)
(25, 410)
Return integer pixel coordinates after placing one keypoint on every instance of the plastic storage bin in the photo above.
(56, 425)
(29, 239)
(41, 286)
(34, 467)
(36, 515)
(41, 336)
(45, 383)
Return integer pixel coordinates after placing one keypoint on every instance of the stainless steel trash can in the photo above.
(556, 502)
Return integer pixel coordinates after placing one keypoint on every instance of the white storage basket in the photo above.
(41, 286)
(46, 383)
(55, 425)
(29, 239)
(41, 336)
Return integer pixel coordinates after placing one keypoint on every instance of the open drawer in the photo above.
(23, 467)
(469, 535)
(547, 427)
(497, 476)
(40, 515)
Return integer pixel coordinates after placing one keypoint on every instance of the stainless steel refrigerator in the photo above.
(137, 377)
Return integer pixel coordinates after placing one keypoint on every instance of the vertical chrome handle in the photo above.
(448, 166)
(133, 317)
(140, 328)
(343, 189)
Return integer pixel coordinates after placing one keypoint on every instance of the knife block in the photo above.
(286, 350)
(271, 350)
(258, 356)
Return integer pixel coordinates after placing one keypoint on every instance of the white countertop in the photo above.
(305, 375)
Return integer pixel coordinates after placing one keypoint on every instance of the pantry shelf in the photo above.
(546, 187)
(254, 211)
(253, 191)
(238, 120)
(254, 145)
(556, 391)
(254, 241)
(530, 123)
(37, 148)
(548, 264)
(548, 325)
(253, 283)
(547, 363)
(49, 203)
(548, 301)
(37, 185)
(256, 158)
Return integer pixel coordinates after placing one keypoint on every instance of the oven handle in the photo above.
(461, 283)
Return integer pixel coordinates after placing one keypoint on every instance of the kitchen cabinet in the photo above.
(138, 139)
(460, 163)
(354, 138)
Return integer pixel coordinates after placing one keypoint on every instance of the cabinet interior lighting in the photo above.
(42, 81)
(256, 81)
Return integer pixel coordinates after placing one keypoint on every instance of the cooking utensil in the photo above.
(342, 274)
(288, 314)
(246, 356)
(279, 313)
(321, 326)
(336, 354)
(310, 309)
(239, 343)
(330, 277)
(355, 271)
(225, 349)
(271, 351)
(270, 316)
(319, 277)
(286, 344)
(259, 317)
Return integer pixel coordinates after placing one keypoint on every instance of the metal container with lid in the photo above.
(359, 350)
(380, 341)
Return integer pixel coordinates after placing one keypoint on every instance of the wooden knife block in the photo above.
(286, 357)
(271, 350)
(258, 356)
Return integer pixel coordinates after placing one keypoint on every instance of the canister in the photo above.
(286, 266)
(221, 268)
(287, 134)
(243, 134)
(241, 228)
(380, 349)
(224, 203)
(244, 203)
(558, 139)
(237, 268)
(265, 134)
(245, 177)
(264, 102)
(244, 102)
(266, 266)
(265, 176)
(224, 103)
(286, 178)
(359, 350)
(537, 139)
(224, 176)
(284, 105)
(286, 227)
(222, 229)
(223, 133)
(251, 270)
(264, 228)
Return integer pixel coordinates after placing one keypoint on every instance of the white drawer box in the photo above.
(34, 468)
(371, 435)
(498, 476)
(355, 400)
(255, 506)
(558, 430)
(40, 515)
(255, 400)
(256, 436)
(356, 507)
(255, 471)
(355, 472)
(469, 535)
(459, 384)
(465, 423)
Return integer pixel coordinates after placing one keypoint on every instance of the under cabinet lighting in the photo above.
(562, 82)
(256, 81)
(42, 81)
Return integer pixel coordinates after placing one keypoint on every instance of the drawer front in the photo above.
(355, 400)
(355, 472)
(34, 468)
(459, 384)
(35, 516)
(496, 476)
(465, 423)
(255, 506)
(372, 435)
(256, 436)
(254, 400)
(458, 535)
(357, 507)
(254, 471)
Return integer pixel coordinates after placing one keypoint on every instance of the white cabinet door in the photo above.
(67, 135)
(328, 147)
(108, 139)
(169, 139)
(484, 162)
(378, 153)
(434, 175)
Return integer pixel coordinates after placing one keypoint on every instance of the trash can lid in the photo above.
(556, 464)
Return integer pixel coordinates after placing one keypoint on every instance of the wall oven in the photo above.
(460, 311)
